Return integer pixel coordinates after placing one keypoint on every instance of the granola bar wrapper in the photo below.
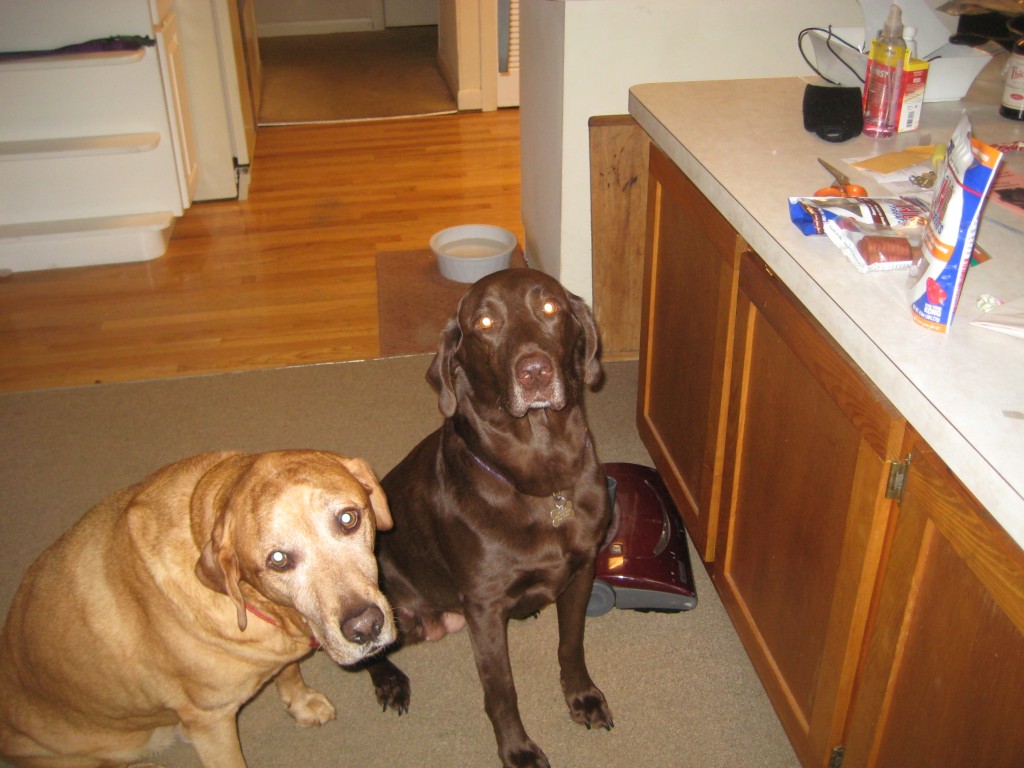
(938, 270)
(812, 214)
(880, 247)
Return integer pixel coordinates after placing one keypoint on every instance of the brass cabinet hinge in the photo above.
(897, 479)
(836, 760)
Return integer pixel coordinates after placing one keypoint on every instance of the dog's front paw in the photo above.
(528, 755)
(589, 708)
(392, 687)
(310, 707)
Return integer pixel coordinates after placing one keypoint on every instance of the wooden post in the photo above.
(618, 209)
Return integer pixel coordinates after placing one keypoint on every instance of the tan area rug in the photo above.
(683, 692)
(415, 301)
(352, 76)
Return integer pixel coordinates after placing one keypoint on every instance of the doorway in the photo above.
(349, 76)
(381, 64)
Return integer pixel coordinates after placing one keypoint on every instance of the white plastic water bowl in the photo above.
(471, 251)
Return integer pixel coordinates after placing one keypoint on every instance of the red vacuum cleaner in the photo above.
(644, 564)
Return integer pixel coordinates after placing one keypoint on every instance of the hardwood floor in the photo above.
(284, 278)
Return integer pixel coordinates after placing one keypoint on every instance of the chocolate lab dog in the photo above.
(501, 511)
(172, 602)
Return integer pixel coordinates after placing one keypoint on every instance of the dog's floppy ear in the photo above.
(361, 471)
(217, 567)
(591, 366)
(213, 529)
(440, 372)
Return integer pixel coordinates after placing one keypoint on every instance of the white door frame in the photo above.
(477, 45)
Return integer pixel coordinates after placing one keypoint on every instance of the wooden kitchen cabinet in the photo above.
(776, 450)
(943, 676)
(689, 297)
(881, 605)
(810, 447)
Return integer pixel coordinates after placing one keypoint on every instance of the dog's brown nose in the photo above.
(363, 625)
(534, 371)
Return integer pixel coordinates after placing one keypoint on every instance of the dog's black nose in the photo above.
(363, 625)
(534, 371)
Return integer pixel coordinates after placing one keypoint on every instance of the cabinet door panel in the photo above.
(689, 298)
(789, 531)
(804, 509)
(942, 681)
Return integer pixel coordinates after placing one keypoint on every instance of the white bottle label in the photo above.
(1013, 91)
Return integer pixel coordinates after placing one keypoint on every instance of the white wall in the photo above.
(462, 53)
(448, 59)
(579, 58)
(542, 41)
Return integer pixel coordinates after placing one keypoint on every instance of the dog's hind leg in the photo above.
(306, 705)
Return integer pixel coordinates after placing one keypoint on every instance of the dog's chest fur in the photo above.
(523, 544)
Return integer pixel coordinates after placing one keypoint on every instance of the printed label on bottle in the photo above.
(1013, 91)
(915, 78)
(882, 84)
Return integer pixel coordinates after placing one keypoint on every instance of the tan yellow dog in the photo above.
(170, 604)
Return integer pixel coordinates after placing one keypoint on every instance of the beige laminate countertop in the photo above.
(743, 144)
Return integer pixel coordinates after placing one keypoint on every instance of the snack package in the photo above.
(875, 234)
(938, 271)
(893, 213)
(873, 247)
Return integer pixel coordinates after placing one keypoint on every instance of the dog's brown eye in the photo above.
(485, 322)
(549, 308)
(278, 560)
(348, 519)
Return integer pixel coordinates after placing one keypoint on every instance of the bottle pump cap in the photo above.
(894, 23)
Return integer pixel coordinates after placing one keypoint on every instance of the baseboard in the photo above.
(508, 88)
(469, 99)
(325, 27)
(466, 99)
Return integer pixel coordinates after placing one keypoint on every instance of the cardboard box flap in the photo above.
(932, 34)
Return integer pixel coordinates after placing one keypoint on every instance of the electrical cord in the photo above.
(829, 37)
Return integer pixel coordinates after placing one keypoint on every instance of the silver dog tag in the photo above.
(562, 510)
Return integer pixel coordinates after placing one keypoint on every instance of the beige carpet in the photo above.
(414, 300)
(682, 690)
(352, 76)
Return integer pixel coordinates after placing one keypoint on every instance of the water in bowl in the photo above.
(473, 248)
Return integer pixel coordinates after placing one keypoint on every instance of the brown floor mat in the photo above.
(415, 301)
